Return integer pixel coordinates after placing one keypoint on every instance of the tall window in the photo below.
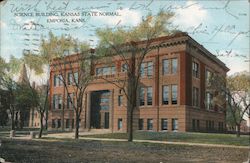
(120, 100)
(165, 64)
(174, 94)
(149, 96)
(70, 100)
(58, 80)
(174, 65)
(208, 76)
(72, 124)
(164, 124)
(140, 124)
(76, 77)
(150, 124)
(67, 123)
(57, 101)
(113, 70)
(70, 78)
(150, 69)
(195, 96)
(142, 70)
(142, 102)
(165, 94)
(175, 124)
(195, 69)
(59, 123)
(53, 123)
(119, 123)
(208, 101)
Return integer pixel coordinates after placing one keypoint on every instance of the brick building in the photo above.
(172, 93)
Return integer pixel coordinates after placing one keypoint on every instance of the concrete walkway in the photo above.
(167, 142)
(93, 132)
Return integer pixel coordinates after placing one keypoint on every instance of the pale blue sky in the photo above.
(220, 26)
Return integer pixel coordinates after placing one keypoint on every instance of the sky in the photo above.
(220, 26)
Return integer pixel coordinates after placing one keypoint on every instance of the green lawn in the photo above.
(207, 138)
(69, 151)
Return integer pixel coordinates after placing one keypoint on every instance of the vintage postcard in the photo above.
(124, 81)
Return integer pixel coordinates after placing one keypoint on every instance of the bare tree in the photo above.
(132, 46)
(78, 67)
(232, 93)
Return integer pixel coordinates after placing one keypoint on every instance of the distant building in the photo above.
(172, 95)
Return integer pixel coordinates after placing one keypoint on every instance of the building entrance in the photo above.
(99, 118)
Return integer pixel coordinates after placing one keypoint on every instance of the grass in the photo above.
(70, 150)
(206, 138)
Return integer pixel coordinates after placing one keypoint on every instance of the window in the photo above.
(193, 124)
(164, 124)
(140, 124)
(120, 100)
(79, 123)
(99, 71)
(76, 77)
(113, 70)
(119, 123)
(53, 123)
(149, 96)
(58, 80)
(150, 69)
(57, 101)
(142, 69)
(198, 124)
(59, 123)
(165, 94)
(72, 124)
(150, 124)
(165, 64)
(67, 123)
(70, 78)
(70, 100)
(142, 102)
(174, 65)
(174, 94)
(208, 76)
(195, 96)
(174, 124)
(220, 125)
(195, 69)
(124, 67)
(105, 70)
(208, 101)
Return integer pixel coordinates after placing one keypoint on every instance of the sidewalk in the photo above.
(166, 142)
(71, 136)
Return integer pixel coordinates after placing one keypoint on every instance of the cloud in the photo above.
(234, 60)
(3, 24)
(127, 17)
(190, 15)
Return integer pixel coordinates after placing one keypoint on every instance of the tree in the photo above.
(132, 45)
(4, 106)
(79, 67)
(76, 84)
(234, 94)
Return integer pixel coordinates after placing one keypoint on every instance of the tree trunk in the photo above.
(41, 126)
(238, 130)
(77, 127)
(130, 127)
(12, 122)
